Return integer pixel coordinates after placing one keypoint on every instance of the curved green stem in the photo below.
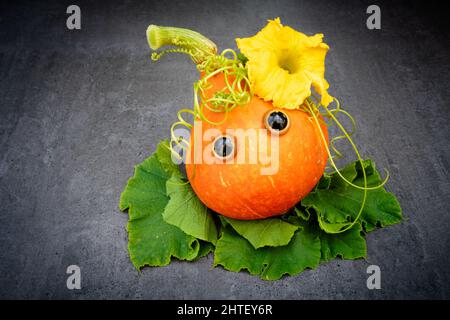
(186, 41)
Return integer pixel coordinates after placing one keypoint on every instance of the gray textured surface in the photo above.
(78, 109)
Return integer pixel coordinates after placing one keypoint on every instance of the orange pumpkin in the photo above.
(240, 190)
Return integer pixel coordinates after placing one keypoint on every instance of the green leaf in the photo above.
(324, 182)
(205, 249)
(235, 253)
(271, 232)
(152, 241)
(302, 213)
(187, 212)
(165, 158)
(339, 204)
(347, 245)
(166, 219)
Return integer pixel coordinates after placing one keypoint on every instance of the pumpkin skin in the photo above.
(239, 190)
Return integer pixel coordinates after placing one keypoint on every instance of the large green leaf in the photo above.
(339, 203)
(347, 245)
(350, 244)
(235, 253)
(166, 219)
(165, 158)
(205, 249)
(152, 241)
(187, 212)
(271, 232)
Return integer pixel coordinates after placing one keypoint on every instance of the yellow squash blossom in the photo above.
(283, 64)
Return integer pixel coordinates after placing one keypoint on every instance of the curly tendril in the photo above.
(314, 109)
(237, 90)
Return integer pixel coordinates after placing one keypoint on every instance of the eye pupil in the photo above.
(223, 146)
(277, 120)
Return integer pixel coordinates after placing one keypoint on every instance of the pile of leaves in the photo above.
(167, 220)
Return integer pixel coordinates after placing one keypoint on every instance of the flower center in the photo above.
(288, 61)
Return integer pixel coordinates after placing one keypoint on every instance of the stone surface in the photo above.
(78, 109)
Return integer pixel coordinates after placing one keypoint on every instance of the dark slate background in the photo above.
(78, 109)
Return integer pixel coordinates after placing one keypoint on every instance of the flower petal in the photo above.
(263, 40)
(283, 64)
(313, 63)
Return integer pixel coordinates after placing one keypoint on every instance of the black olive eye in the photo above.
(277, 121)
(224, 147)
